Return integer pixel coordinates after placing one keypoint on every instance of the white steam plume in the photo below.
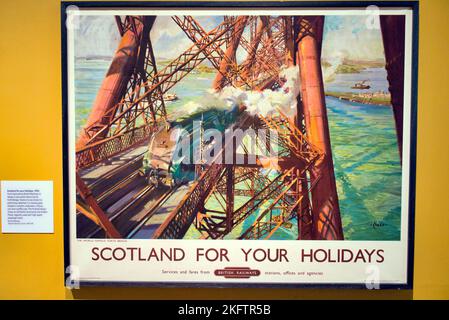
(256, 102)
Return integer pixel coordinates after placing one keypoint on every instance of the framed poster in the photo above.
(240, 144)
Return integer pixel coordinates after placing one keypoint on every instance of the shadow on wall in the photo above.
(234, 294)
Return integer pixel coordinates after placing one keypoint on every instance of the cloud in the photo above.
(164, 26)
(350, 37)
(169, 41)
(96, 36)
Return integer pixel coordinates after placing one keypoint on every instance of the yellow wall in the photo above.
(30, 149)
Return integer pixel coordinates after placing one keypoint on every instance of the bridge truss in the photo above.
(130, 107)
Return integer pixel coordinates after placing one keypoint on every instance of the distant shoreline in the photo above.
(94, 58)
(366, 98)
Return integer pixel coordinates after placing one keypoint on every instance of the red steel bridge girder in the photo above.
(117, 78)
(326, 220)
(393, 35)
(230, 53)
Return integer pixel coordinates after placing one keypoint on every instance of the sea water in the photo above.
(364, 146)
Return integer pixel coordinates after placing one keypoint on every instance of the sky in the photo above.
(352, 37)
(166, 34)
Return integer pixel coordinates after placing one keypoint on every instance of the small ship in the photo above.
(170, 97)
(361, 85)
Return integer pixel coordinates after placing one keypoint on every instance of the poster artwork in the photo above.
(239, 147)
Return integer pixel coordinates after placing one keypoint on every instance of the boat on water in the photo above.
(361, 85)
(170, 97)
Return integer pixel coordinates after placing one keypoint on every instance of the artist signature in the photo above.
(377, 224)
